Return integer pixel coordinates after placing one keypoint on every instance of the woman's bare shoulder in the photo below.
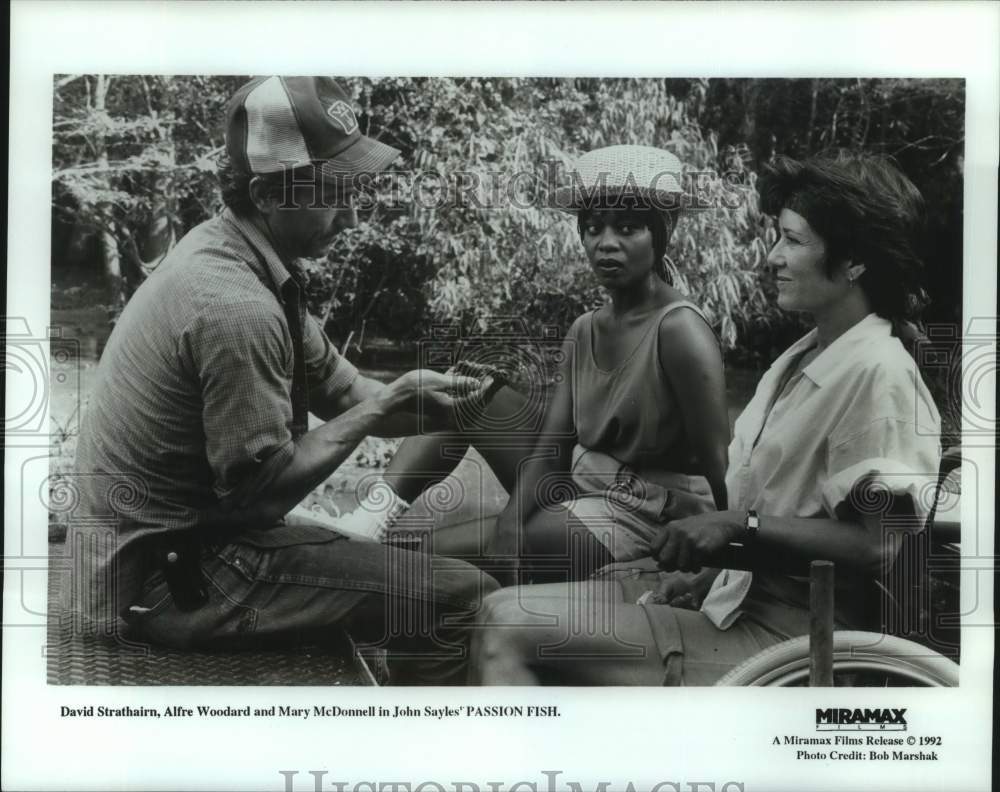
(684, 317)
(685, 336)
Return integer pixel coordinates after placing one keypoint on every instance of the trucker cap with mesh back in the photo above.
(279, 123)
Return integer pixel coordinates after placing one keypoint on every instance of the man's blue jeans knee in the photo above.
(418, 606)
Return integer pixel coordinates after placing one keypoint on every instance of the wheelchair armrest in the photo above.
(754, 559)
(737, 556)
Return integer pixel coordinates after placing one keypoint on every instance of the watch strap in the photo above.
(751, 525)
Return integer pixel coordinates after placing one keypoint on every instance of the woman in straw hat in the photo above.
(638, 416)
(841, 432)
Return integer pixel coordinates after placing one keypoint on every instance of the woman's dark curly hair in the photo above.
(867, 212)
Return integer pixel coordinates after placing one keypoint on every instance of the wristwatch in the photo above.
(750, 527)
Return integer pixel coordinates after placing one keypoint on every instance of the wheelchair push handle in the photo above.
(821, 600)
(821, 624)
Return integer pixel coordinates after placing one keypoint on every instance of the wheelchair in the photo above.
(918, 643)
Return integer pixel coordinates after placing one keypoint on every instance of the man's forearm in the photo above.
(364, 389)
(315, 456)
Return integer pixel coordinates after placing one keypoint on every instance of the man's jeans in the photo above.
(265, 591)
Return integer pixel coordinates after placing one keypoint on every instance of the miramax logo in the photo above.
(861, 719)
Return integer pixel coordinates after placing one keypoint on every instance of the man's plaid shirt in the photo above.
(191, 408)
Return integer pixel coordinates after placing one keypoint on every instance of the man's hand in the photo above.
(431, 395)
(685, 544)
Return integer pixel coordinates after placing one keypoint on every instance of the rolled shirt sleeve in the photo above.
(242, 355)
(328, 374)
(887, 459)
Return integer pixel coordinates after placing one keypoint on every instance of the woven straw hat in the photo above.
(649, 174)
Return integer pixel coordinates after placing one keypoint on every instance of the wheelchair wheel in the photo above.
(860, 659)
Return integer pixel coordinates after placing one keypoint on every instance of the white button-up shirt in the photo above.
(859, 411)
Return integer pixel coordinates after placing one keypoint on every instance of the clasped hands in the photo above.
(679, 552)
(683, 545)
(686, 544)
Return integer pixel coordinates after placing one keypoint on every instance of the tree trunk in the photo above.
(110, 258)
(812, 113)
(111, 266)
(157, 237)
(748, 128)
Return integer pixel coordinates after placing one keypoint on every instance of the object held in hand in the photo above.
(491, 377)
(651, 598)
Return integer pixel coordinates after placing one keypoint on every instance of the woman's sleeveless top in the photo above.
(630, 412)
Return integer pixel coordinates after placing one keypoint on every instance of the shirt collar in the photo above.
(276, 269)
(839, 353)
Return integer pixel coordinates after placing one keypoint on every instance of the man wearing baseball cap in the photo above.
(195, 443)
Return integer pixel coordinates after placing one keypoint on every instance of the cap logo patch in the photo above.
(341, 114)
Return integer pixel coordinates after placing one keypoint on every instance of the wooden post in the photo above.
(821, 624)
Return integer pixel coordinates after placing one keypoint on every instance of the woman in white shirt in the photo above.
(840, 433)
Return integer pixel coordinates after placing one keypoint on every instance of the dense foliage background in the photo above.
(462, 231)
(134, 160)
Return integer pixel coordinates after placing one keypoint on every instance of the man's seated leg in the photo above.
(411, 602)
